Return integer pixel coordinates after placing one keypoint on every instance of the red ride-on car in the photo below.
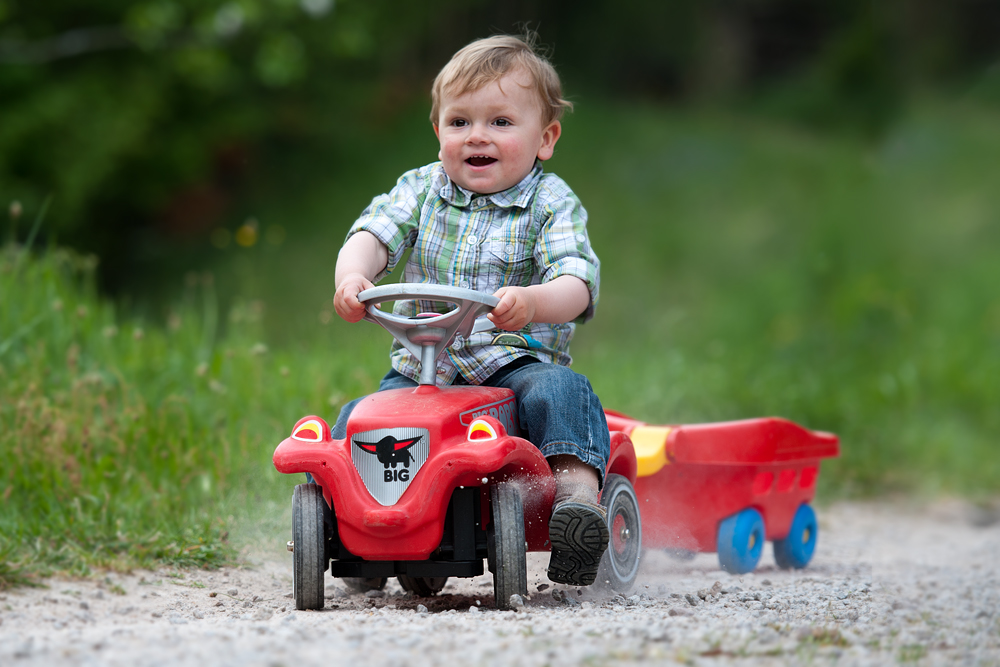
(430, 481)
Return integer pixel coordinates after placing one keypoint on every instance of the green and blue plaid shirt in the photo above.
(530, 234)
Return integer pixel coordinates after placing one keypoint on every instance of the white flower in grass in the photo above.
(138, 333)
(201, 370)
(110, 331)
(258, 349)
(217, 386)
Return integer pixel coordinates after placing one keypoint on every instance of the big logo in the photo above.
(388, 458)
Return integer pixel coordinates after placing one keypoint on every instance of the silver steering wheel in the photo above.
(427, 335)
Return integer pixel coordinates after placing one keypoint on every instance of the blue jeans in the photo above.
(557, 409)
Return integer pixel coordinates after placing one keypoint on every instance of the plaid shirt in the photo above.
(530, 234)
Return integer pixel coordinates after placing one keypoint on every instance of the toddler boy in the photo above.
(488, 218)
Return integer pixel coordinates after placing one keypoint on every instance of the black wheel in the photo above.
(309, 550)
(422, 586)
(506, 545)
(620, 563)
(363, 585)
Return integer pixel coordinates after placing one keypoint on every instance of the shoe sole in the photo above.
(579, 536)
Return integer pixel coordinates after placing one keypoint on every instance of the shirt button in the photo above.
(580, 238)
(457, 345)
(464, 283)
(479, 202)
(509, 249)
(473, 239)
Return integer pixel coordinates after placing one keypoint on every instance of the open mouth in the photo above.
(480, 160)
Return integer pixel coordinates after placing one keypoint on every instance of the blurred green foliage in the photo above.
(143, 118)
(152, 122)
(846, 285)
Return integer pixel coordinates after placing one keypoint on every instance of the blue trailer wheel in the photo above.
(796, 550)
(741, 541)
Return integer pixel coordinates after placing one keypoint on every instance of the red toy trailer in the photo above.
(728, 486)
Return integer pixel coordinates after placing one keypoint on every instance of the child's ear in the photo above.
(550, 135)
(437, 133)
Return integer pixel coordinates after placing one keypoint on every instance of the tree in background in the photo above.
(145, 119)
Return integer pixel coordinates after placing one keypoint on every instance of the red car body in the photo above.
(411, 528)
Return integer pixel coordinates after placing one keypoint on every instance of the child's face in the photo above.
(490, 137)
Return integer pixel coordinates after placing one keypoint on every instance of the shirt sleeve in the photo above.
(563, 247)
(393, 218)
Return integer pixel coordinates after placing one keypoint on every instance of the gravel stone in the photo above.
(890, 584)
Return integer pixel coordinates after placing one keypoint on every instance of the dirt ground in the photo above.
(891, 583)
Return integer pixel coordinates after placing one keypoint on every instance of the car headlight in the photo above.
(309, 430)
(482, 430)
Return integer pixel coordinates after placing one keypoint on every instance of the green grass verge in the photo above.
(125, 445)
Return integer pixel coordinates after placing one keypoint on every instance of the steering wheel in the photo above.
(427, 335)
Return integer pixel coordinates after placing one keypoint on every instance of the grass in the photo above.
(848, 286)
(748, 269)
(123, 444)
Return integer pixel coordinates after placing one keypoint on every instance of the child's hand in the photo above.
(345, 301)
(515, 310)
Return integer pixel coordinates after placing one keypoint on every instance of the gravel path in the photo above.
(890, 584)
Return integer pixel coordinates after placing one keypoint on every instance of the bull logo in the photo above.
(390, 451)
(388, 458)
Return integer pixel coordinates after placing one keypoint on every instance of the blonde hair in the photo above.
(488, 60)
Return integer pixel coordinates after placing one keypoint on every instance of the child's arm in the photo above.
(560, 300)
(361, 259)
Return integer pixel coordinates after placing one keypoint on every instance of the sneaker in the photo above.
(579, 535)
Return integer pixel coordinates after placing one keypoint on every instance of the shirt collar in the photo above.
(518, 195)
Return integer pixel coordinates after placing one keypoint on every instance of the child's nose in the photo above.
(477, 135)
